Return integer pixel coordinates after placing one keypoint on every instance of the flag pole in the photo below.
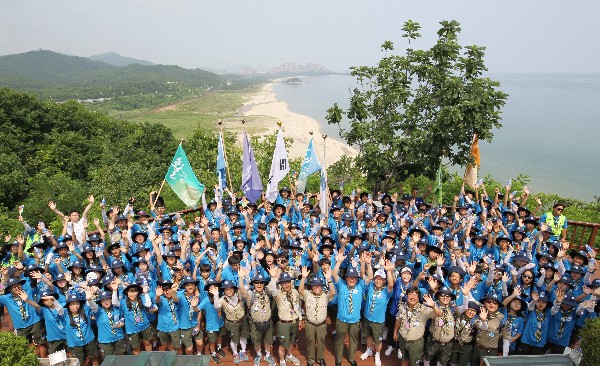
(225, 155)
(279, 123)
(324, 136)
(163, 183)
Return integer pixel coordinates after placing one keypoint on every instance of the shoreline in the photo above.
(265, 110)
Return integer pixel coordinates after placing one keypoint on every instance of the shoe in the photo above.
(352, 363)
(368, 353)
(292, 359)
(237, 359)
(244, 355)
(377, 359)
(333, 333)
(270, 360)
(321, 363)
(389, 350)
(399, 354)
(220, 352)
(385, 334)
(338, 363)
(215, 358)
(257, 360)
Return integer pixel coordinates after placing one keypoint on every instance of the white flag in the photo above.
(279, 168)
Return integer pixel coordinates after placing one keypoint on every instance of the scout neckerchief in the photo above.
(263, 300)
(77, 320)
(564, 319)
(137, 313)
(376, 294)
(350, 300)
(316, 304)
(540, 320)
(289, 297)
(444, 321)
(22, 308)
(111, 320)
(189, 298)
(465, 324)
(411, 314)
(172, 308)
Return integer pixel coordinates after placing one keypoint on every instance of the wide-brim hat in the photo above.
(188, 279)
(334, 208)
(416, 229)
(275, 206)
(105, 295)
(352, 273)
(284, 277)
(523, 208)
(139, 232)
(228, 284)
(434, 248)
(72, 298)
(117, 264)
(258, 277)
(162, 228)
(493, 296)
(14, 282)
(566, 279)
(474, 306)
(500, 238)
(294, 244)
(114, 245)
(61, 245)
(209, 283)
(94, 237)
(436, 226)
(570, 300)
(285, 189)
(530, 220)
(445, 291)
(139, 260)
(576, 269)
(544, 297)
(316, 281)
(456, 269)
(37, 244)
(47, 293)
(58, 277)
(518, 230)
(237, 225)
(573, 253)
(76, 264)
(33, 267)
(141, 213)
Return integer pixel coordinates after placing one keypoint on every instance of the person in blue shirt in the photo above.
(537, 321)
(54, 322)
(24, 314)
(189, 298)
(136, 307)
(168, 316)
(514, 305)
(214, 320)
(110, 322)
(378, 296)
(562, 322)
(78, 323)
(350, 292)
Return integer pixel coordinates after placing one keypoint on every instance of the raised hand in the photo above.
(91, 198)
(159, 291)
(483, 313)
(305, 272)
(195, 301)
(535, 296)
(428, 300)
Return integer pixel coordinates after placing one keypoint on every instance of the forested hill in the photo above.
(115, 59)
(65, 76)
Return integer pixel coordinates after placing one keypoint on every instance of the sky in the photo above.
(532, 36)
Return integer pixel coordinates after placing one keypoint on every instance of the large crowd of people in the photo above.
(442, 285)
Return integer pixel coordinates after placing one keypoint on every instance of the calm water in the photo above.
(550, 127)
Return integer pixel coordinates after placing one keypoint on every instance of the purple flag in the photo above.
(251, 184)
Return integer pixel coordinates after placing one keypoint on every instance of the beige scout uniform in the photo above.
(412, 328)
(289, 312)
(487, 339)
(442, 334)
(235, 316)
(316, 327)
(464, 336)
(259, 308)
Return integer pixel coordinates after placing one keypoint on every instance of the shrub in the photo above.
(15, 351)
(590, 342)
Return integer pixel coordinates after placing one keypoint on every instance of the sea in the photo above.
(550, 132)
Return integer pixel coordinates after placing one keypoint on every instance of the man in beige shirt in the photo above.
(289, 311)
(410, 325)
(259, 311)
(236, 323)
(439, 343)
(488, 334)
(316, 301)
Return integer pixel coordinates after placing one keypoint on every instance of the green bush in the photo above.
(15, 351)
(590, 342)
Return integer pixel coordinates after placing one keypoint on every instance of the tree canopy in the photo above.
(415, 109)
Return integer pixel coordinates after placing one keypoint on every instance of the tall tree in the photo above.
(413, 110)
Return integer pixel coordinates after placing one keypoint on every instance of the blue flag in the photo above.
(251, 184)
(182, 179)
(310, 165)
(221, 174)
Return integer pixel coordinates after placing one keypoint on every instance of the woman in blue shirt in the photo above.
(535, 332)
(78, 326)
(136, 307)
(54, 322)
(110, 321)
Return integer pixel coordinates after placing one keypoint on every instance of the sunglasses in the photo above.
(559, 209)
(494, 302)
(282, 260)
(527, 276)
(444, 295)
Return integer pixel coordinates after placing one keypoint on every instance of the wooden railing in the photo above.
(581, 233)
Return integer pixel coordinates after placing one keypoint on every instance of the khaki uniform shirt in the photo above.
(316, 307)
(287, 309)
(489, 338)
(442, 328)
(464, 329)
(259, 306)
(233, 308)
(412, 321)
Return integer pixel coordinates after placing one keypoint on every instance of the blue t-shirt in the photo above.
(107, 332)
(376, 304)
(188, 318)
(136, 318)
(347, 297)
(561, 326)
(168, 315)
(532, 325)
(515, 324)
(213, 321)
(55, 325)
(22, 314)
(80, 332)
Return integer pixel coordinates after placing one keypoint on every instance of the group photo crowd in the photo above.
(386, 276)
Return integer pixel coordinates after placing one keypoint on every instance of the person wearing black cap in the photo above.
(562, 322)
(289, 312)
(24, 313)
(78, 320)
(514, 305)
(54, 323)
(236, 323)
(489, 330)
(110, 322)
(189, 298)
(214, 320)
(439, 343)
(465, 326)
(316, 301)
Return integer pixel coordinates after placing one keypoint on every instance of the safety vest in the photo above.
(555, 227)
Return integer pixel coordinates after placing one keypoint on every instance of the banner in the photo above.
(438, 185)
(221, 167)
(182, 179)
(251, 184)
(471, 172)
(279, 167)
(309, 165)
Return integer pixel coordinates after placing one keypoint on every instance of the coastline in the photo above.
(264, 110)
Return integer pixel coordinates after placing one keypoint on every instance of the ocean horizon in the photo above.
(550, 127)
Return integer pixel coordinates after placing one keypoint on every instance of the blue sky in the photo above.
(520, 36)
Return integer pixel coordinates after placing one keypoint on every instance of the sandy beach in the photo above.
(264, 110)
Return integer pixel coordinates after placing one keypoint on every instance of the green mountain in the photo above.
(115, 59)
(48, 73)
